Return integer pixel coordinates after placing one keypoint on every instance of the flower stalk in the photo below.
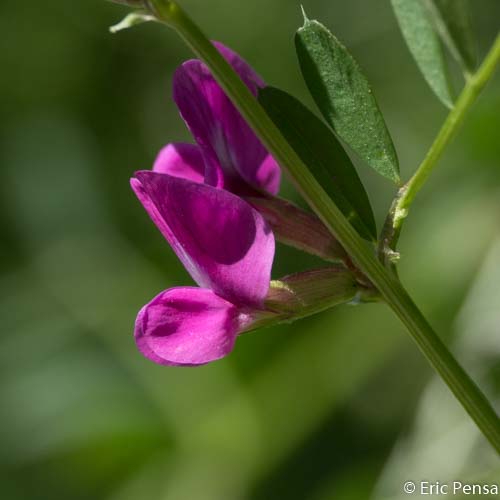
(362, 255)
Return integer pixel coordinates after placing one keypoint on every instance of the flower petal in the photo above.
(233, 153)
(223, 242)
(181, 160)
(249, 76)
(187, 326)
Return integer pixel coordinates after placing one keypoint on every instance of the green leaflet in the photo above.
(316, 145)
(417, 27)
(344, 97)
(452, 22)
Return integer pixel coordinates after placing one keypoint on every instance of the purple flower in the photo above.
(228, 249)
(227, 153)
(223, 242)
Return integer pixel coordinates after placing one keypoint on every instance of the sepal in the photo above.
(297, 228)
(309, 292)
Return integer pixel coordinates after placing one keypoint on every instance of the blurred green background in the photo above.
(337, 406)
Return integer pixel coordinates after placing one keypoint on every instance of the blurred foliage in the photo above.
(334, 406)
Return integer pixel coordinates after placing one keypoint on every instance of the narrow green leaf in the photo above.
(424, 44)
(319, 149)
(344, 97)
(452, 21)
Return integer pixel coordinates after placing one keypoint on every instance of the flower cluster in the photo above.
(193, 195)
(215, 204)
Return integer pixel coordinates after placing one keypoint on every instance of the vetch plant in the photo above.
(216, 202)
(223, 241)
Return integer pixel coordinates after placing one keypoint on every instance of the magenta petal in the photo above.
(181, 160)
(187, 326)
(222, 241)
(233, 153)
(249, 76)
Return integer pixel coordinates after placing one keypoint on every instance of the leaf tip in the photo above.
(448, 102)
(391, 169)
(304, 15)
(132, 19)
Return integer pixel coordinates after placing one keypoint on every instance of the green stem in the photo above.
(399, 209)
(362, 255)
